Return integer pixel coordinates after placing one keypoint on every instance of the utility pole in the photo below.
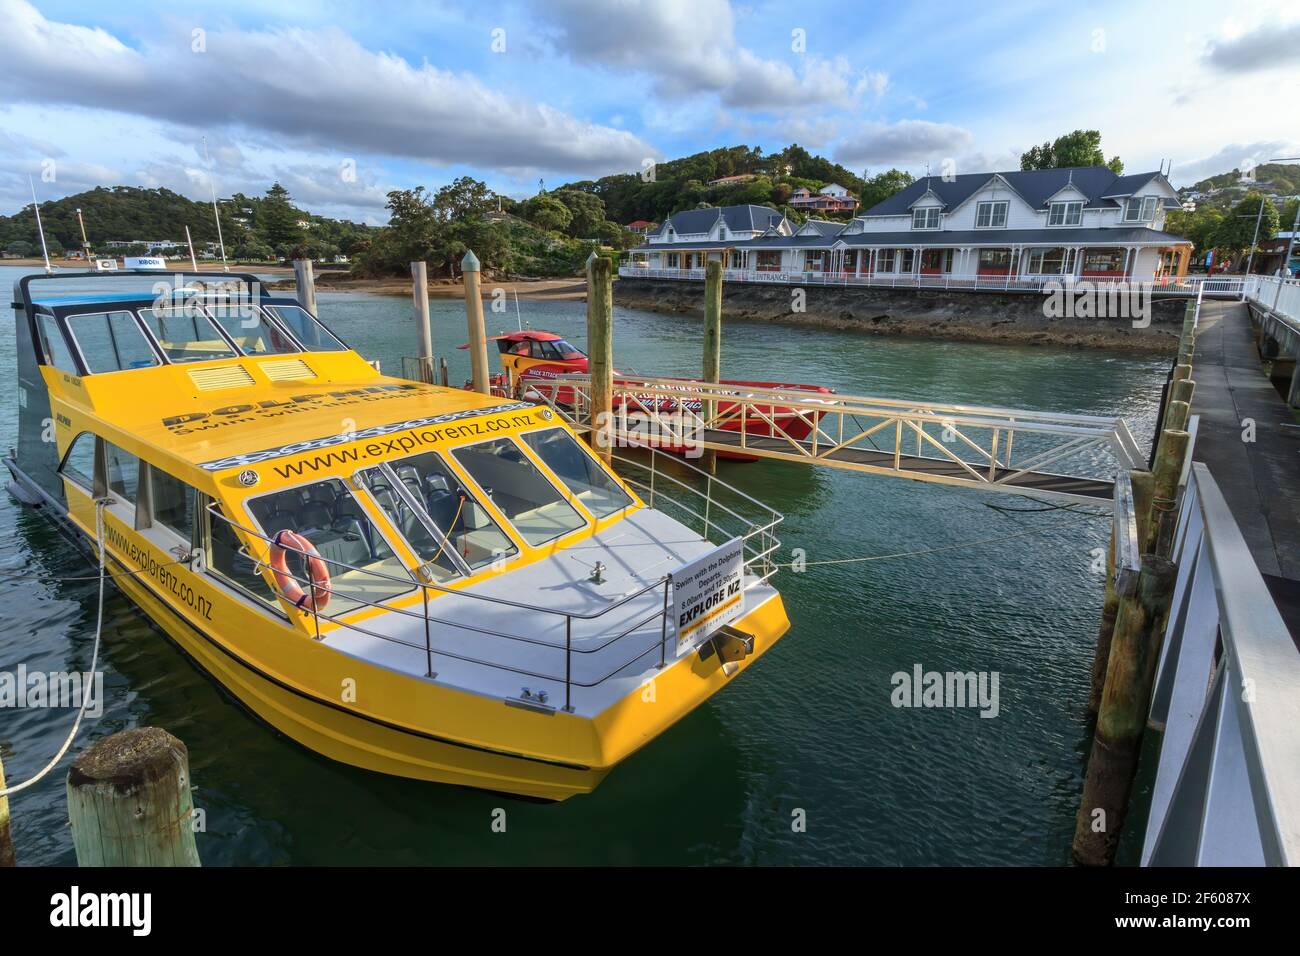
(1258, 216)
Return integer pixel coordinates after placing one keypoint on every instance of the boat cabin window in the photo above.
(173, 503)
(594, 487)
(427, 503)
(327, 515)
(228, 561)
(251, 330)
(79, 462)
(53, 346)
(518, 488)
(313, 336)
(123, 472)
(110, 342)
(186, 334)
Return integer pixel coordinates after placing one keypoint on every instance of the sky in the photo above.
(342, 102)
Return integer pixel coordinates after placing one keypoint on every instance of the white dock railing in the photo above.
(1281, 298)
(1223, 286)
(1227, 787)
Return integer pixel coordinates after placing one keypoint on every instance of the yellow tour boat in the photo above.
(418, 580)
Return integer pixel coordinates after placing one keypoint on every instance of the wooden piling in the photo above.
(1122, 715)
(712, 348)
(1182, 391)
(1143, 483)
(478, 358)
(600, 352)
(1164, 499)
(7, 857)
(1182, 371)
(129, 801)
(420, 299)
(306, 280)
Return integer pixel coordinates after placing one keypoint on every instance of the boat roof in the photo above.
(337, 401)
(525, 335)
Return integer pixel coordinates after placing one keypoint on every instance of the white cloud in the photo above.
(689, 47)
(1269, 46)
(903, 142)
(318, 88)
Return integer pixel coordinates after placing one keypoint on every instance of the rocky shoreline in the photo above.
(1018, 319)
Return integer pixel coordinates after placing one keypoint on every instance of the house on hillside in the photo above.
(1083, 222)
(830, 198)
(643, 227)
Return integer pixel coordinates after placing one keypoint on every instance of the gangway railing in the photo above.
(1000, 449)
(1227, 785)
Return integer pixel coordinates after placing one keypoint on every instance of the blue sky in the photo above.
(343, 101)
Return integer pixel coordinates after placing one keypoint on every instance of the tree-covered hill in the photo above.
(258, 228)
(668, 187)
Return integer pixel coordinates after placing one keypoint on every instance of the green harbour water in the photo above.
(809, 733)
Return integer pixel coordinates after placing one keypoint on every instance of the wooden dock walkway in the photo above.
(1261, 479)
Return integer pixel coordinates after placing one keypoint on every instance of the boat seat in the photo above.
(313, 517)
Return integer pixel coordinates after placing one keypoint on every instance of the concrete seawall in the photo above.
(1017, 318)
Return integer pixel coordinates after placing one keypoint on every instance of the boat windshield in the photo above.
(594, 487)
(186, 334)
(443, 523)
(313, 336)
(326, 514)
(518, 488)
(251, 330)
(110, 341)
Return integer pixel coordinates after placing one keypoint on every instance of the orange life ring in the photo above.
(317, 572)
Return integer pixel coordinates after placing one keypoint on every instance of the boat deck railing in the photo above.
(1227, 785)
(720, 509)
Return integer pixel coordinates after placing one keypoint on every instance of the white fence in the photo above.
(1227, 787)
(1223, 285)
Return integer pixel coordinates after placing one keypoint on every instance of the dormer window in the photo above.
(925, 218)
(1065, 214)
(1140, 209)
(991, 215)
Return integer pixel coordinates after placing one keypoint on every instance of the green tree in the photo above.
(19, 247)
(547, 212)
(1079, 148)
(883, 185)
(587, 210)
(1237, 230)
(277, 219)
(1200, 227)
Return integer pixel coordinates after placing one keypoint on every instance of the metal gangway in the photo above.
(1047, 455)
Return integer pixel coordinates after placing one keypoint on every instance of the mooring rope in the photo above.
(910, 554)
(100, 505)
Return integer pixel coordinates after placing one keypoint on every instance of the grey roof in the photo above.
(747, 218)
(826, 227)
(939, 239)
(1034, 186)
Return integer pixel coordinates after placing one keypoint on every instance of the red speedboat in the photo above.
(531, 360)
